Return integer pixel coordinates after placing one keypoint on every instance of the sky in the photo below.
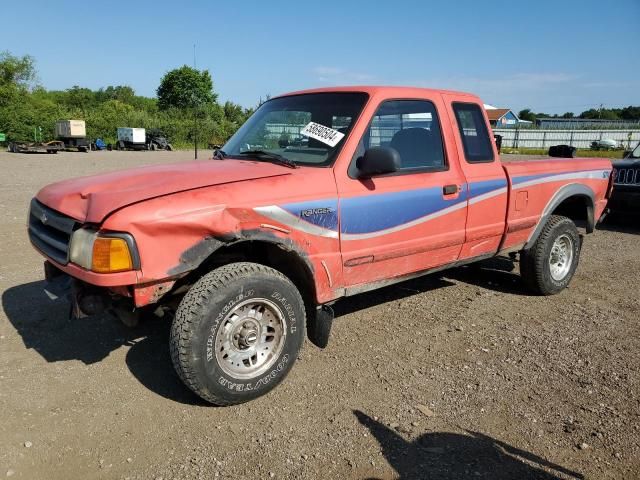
(550, 56)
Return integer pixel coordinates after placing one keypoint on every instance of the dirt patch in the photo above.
(457, 375)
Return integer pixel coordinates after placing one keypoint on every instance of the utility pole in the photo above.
(195, 112)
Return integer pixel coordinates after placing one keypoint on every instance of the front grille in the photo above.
(50, 231)
(626, 176)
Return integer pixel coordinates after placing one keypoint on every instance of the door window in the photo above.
(412, 128)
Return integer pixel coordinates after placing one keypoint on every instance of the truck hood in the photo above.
(91, 199)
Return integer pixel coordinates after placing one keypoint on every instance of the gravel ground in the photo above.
(456, 375)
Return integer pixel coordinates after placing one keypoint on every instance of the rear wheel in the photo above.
(237, 333)
(549, 265)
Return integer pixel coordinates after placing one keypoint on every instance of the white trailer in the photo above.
(71, 129)
(73, 133)
(131, 138)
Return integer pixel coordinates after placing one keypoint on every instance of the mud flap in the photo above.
(319, 327)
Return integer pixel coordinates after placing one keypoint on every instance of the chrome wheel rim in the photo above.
(250, 338)
(561, 257)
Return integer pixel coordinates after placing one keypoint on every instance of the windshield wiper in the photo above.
(263, 155)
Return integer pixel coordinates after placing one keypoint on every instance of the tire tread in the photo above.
(532, 261)
(186, 319)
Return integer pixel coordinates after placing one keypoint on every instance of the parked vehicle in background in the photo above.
(250, 248)
(35, 147)
(73, 133)
(100, 145)
(626, 184)
(157, 140)
(131, 139)
(562, 151)
(605, 144)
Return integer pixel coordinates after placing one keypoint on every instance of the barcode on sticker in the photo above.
(321, 133)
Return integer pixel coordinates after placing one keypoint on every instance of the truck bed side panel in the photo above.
(538, 187)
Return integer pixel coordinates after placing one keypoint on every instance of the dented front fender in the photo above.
(175, 234)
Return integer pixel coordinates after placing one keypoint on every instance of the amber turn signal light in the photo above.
(111, 255)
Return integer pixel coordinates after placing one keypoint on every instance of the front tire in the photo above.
(237, 333)
(549, 265)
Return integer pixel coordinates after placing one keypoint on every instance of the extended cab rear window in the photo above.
(473, 131)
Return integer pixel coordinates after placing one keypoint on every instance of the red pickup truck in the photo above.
(320, 195)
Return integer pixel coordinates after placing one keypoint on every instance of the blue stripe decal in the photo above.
(323, 213)
(591, 173)
(389, 210)
(526, 178)
(486, 186)
(372, 213)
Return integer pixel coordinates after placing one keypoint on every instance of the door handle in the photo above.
(450, 189)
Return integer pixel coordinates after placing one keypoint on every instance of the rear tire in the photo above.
(237, 333)
(549, 265)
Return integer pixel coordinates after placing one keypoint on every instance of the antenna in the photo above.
(194, 55)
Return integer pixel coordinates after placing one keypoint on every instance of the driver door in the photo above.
(411, 220)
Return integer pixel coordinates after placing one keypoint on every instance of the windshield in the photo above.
(636, 152)
(307, 129)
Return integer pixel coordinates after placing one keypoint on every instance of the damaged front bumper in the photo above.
(91, 299)
(85, 299)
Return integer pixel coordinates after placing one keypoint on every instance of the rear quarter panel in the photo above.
(533, 189)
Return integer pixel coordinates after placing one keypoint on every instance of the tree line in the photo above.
(186, 98)
(629, 113)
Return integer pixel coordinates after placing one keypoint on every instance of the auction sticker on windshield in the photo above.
(324, 134)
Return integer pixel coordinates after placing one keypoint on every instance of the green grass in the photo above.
(580, 153)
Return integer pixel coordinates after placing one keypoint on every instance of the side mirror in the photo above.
(378, 161)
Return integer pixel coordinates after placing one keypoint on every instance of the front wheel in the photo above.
(237, 333)
(548, 266)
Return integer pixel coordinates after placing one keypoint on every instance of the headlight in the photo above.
(103, 252)
(81, 250)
